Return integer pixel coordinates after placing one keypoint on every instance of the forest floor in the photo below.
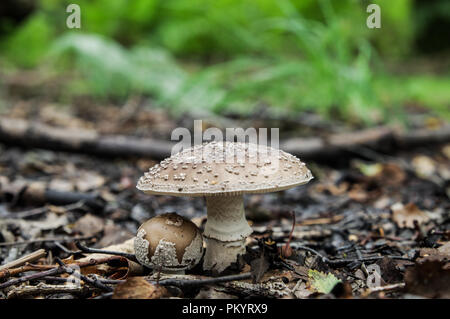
(376, 225)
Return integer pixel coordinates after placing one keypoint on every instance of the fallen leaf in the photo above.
(446, 150)
(51, 221)
(321, 282)
(428, 279)
(389, 271)
(61, 185)
(405, 215)
(358, 193)
(332, 188)
(424, 166)
(441, 254)
(139, 288)
(369, 169)
(89, 225)
(125, 247)
(445, 249)
(391, 174)
(212, 293)
(87, 181)
(259, 266)
(114, 234)
(301, 290)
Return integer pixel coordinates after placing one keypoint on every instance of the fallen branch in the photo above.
(381, 139)
(41, 210)
(44, 289)
(93, 282)
(88, 250)
(50, 272)
(31, 134)
(44, 240)
(184, 283)
(392, 287)
(61, 269)
(343, 261)
(24, 259)
(6, 273)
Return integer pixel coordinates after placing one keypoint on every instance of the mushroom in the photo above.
(169, 242)
(223, 172)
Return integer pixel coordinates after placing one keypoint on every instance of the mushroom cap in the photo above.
(169, 240)
(225, 168)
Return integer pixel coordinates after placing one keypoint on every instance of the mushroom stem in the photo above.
(225, 231)
(221, 254)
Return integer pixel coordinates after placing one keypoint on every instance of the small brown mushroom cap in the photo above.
(225, 168)
(169, 241)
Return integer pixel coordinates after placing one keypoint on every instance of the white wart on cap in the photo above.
(225, 168)
(223, 172)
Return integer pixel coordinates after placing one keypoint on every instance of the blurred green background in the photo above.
(227, 56)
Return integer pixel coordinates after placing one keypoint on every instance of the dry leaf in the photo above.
(125, 247)
(358, 193)
(212, 293)
(259, 266)
(405, 215)
(89, 225)
(301, 290)
(428, 279)
(61, 185)
(442, 254)
(51, 221)
(87, 181)
(391, 174)
(139, 288)
(424, 166)
(114, 234)
(446, 150)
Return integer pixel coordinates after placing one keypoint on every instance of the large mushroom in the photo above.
(223, 172)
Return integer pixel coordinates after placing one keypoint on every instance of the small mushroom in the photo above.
(222, 172)
(169, 242)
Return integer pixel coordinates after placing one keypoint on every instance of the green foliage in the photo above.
(397, 17)
(28, 44)
(327, 74)
(110, 70)
(429, 91)
(291, 55)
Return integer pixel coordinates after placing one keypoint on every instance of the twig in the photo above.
(33, 134)
(183, 283)
(44, 240)
(44, 289)
(91, 262)
(41, 210)
(344, 261)
(25, 259)
(89, 250)
(106, 295)
(93, 282)
(67, 251)
(400, 285)
(103, 281)
(50, 272)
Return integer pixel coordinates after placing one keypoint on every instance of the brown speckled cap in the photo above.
(169, 241)
(225, 168)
